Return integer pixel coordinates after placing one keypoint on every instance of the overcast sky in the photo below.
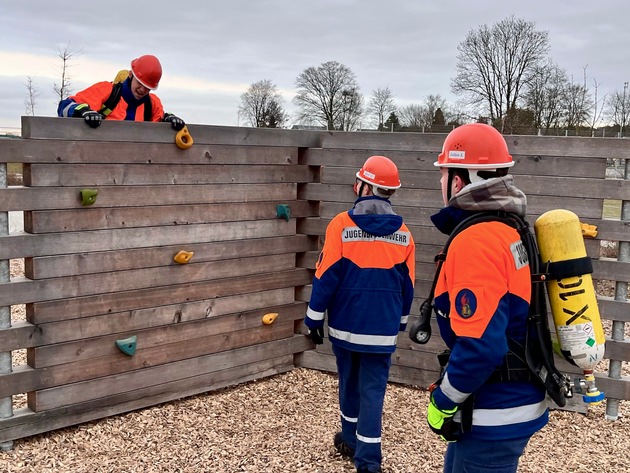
(212, 51)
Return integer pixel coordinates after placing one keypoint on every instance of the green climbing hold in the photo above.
(88, 196)
(127, 345)
(283, 211)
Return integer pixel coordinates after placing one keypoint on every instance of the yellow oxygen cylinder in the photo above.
(572, 294)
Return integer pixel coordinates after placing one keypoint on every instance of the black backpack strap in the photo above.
(420, 330)
(114, 97)
(148, 110)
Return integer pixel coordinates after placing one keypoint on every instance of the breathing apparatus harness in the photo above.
(532, 361)
(114, 97)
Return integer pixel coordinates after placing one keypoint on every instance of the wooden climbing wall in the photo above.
(103, 273)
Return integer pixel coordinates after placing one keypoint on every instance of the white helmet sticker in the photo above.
(456, 154)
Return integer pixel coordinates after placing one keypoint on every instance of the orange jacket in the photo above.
(96, 95)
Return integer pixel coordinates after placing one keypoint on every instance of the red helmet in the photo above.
(148, 70)
(475, 146)
(381, 172)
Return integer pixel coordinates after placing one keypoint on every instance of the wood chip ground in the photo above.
(285, 424)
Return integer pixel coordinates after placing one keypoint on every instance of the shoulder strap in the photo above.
(112, 100)
(420, 330)
(148, 109)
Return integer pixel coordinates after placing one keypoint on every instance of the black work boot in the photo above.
(342, 447)
(365, 470)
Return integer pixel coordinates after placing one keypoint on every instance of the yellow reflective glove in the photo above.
(442, 423)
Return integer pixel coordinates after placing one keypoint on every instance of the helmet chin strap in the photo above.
(359, 187)
(449, 185)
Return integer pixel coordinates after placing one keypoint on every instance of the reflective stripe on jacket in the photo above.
(364, 280)
(485, 288)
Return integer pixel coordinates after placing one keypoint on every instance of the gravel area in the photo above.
(286, 424)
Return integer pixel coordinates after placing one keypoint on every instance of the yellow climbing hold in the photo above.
(269, 318)
(588, 231)
(183, 257)
(183, 139)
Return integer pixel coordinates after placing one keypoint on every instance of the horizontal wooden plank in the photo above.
(28, 380)
(94, 386)
(23, 290)
(94, 152)
(414, 377)
(608, 229)
(148, 132)
(617, 350)
(355, 157)
(526, 163)
(19, 245)
(25, 422)
(611, 269)
(432, 199)
(611, 309)
(62, 129)
(614, 388)
(43, 198)
(545, 185)
(121, 260)
(517, 144)
(26, 335)
(152, 336)
(98, 175)
(48, 221)
(567, 146)
(131, 301)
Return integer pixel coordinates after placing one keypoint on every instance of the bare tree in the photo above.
(435, 106)
(329, 94)
(62, 90)
(577, 104)
(352, 109)
(412, 116)
(619, 109)
(598, 107)
(262, 105)
(31, 96)
(545, 94)
(494, 64)
(381, 106)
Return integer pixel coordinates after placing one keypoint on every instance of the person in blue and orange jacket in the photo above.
(127, 98)
(364, 279)
(486, 404)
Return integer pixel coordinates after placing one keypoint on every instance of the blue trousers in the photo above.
(472, 455)
(362, 385)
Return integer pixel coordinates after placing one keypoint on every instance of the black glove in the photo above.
(176, 122)
(92, 118)
(316, 335)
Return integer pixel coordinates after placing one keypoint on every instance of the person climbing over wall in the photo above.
(486, 404)
(128, 97)
(364, 278)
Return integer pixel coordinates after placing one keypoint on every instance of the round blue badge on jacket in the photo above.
(465, 303)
